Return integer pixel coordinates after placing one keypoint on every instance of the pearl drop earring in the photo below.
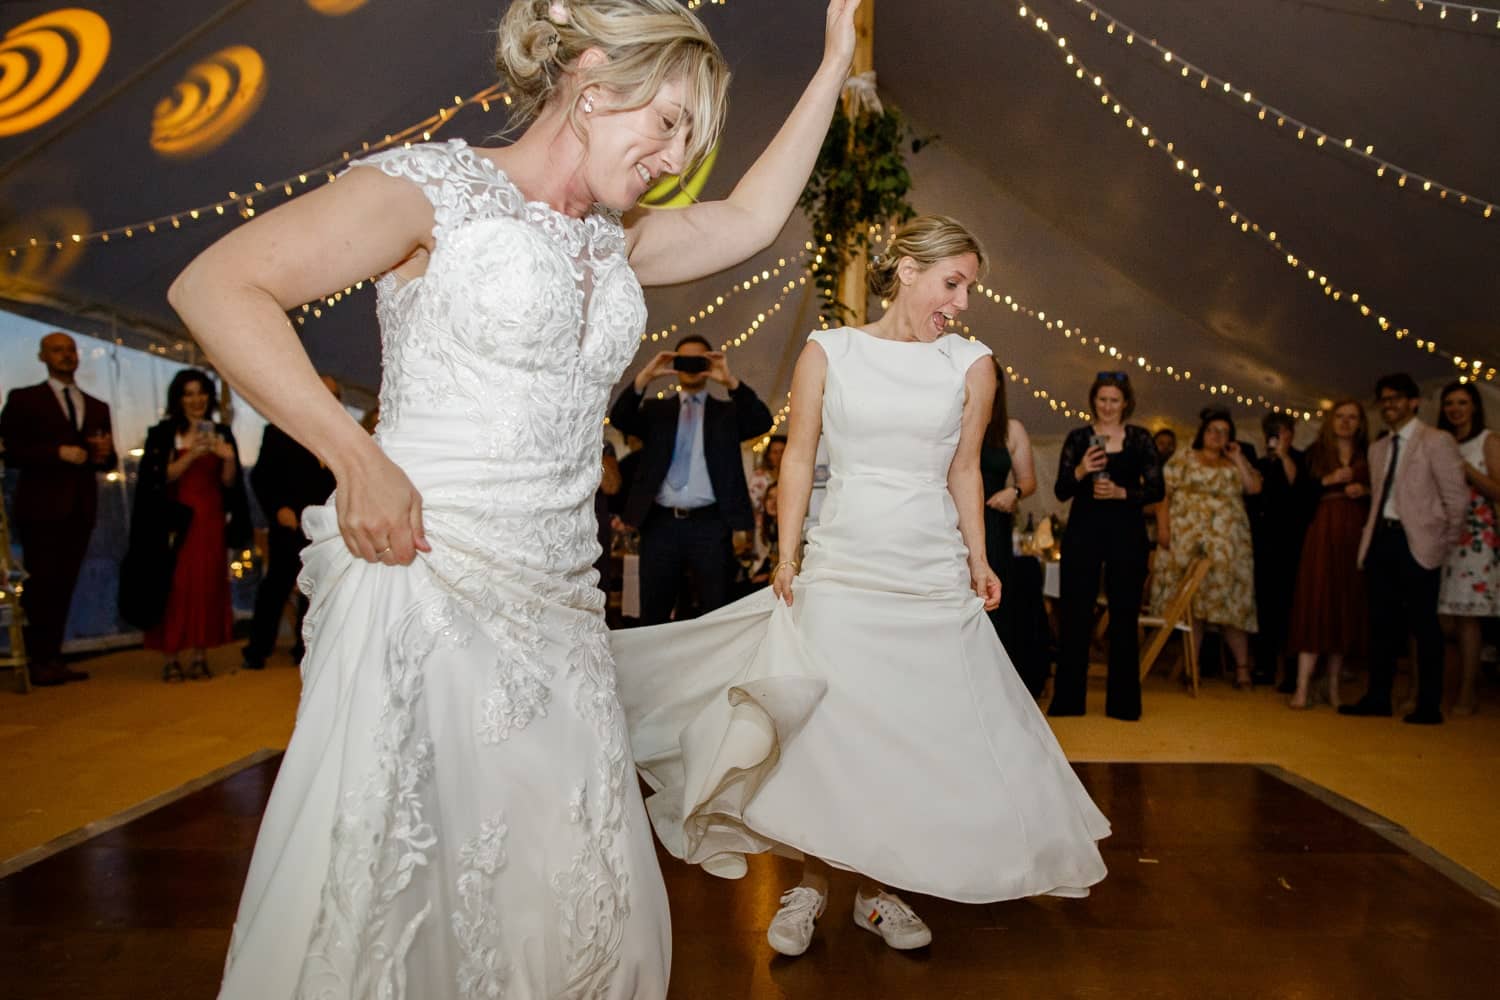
(588, 104)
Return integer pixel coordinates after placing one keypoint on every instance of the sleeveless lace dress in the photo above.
(877, 723)
(457, 814)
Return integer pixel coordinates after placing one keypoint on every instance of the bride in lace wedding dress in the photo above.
(457, 814)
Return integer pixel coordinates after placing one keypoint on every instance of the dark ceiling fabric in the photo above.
(1084, 222)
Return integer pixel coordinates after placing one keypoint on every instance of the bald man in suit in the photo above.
(59, 437)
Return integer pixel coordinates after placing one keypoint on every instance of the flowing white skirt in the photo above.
(887, 733)
(456, 815)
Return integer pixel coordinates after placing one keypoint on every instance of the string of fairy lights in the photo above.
(244, 203)
(1470, 368)
(1461, 11)
(1347, 146)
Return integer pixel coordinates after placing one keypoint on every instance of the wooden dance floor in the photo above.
(1225, 881)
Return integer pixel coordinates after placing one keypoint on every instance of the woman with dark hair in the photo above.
(190, 486)
(1328, 601)
(1005, 455)
(1205, 516)
(1110, 470)
(1471, 576)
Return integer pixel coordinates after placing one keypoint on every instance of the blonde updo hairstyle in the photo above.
(926, 239)
(646, 42)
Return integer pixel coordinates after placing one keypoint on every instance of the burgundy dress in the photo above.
(1328, 605)
(198, 612)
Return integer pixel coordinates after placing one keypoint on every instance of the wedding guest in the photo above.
(1165, 440)
(767, 470)
(59, 438)
(1471, 576)
(287, 479)
(1277, 523)
(192, 465)
(1328, 602)
(1204, 517)
(689, 494)
(1416, 518)
(767, 552)
(1109, 470)
(1009, 474)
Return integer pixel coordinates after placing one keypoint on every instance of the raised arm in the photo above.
(965, 481)
(234, 296)
(668, 246)
(794, 484)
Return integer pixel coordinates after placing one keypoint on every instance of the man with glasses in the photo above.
(1416, 516)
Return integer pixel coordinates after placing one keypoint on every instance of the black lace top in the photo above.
(1136, 467)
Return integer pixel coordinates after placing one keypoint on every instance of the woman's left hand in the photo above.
(986, 586)
(1108, 489)
(838, 41)
(1356, 491)
(1004, 501)
(222, 448)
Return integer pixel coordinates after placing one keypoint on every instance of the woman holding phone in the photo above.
(1110, 470)
(190, 481)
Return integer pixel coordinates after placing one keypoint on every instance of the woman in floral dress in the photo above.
(1204, 515)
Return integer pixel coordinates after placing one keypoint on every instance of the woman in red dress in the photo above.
(192, 465)
(1328, 605)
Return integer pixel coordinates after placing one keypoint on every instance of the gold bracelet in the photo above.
(777, 568)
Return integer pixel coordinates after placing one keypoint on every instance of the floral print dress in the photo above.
(1471, 576)
(1206, 509)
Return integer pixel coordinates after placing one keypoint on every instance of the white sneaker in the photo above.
(888, 915)
(791, 929)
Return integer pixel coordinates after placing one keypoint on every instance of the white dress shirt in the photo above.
(58, 390)
(1388, 507)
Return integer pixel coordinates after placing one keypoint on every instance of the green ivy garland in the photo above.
(860, 181)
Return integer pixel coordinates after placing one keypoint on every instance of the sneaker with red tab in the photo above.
(888, 915)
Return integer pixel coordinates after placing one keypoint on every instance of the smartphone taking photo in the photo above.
(690, 364)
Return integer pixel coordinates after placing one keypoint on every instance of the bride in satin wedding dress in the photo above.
(861, 712)
(457, 814)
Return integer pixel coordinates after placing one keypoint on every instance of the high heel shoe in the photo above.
(172, 671)
(198, 670)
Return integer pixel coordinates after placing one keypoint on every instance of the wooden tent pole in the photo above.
(852, 282)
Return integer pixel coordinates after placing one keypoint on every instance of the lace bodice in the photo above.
(498, 361)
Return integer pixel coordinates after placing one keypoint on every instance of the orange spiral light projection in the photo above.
(217, 96)
(46, 64)
(335, 8)
(54, 228)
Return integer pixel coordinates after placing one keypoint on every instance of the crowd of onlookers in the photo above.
(190, 507)
(1304, 563)
(1345, 550)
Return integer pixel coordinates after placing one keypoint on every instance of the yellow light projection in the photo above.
(686, 191)
(46, 64)
(40, 269)
(218, 95)
(336, 8)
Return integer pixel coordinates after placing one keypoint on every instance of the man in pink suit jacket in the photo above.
(1416, 516)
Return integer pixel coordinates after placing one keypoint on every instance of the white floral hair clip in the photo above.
(557, 13)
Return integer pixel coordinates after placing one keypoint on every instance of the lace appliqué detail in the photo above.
(594, 892)
(522, 682)
(482, 971)
(380, 837)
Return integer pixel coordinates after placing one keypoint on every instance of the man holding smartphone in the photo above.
(689, 495)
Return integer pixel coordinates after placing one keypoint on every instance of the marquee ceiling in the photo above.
(116, 113)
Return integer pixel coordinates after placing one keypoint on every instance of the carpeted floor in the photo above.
(84, 752)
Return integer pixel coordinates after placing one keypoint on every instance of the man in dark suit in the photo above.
(287, 479)
(59, 438)
(688, 495)
(1417, 512)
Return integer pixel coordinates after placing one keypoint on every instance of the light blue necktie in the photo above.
(682, 451)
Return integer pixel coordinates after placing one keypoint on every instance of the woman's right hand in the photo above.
(781, 582)
(380, 512)
(1094, 460)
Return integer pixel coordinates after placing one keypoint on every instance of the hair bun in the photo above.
(526, 49)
